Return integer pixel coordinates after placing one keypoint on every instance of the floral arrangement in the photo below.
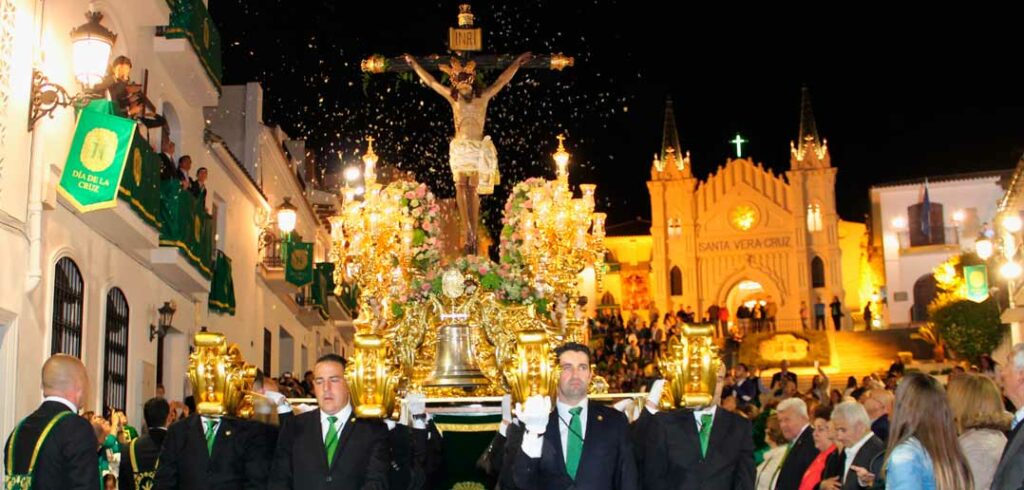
(419, 204)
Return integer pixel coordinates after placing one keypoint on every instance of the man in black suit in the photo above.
(184, 167)
(580, 444)
(167, 169)
(67, 454)
(213, 452)
(879, 403)
(862, 449)
(138, 460)
(330, 448)
(700, 448)
(746, 387)
(795, 425)
(783, 372)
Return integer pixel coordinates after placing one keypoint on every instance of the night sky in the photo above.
(896, 95)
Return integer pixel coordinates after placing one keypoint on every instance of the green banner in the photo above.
(222, 290)
(319, 291)
(976, 282)
(327, 269)
(140, 184)
(95, 163)
(298, 263)
(185, 224)
(190, 19)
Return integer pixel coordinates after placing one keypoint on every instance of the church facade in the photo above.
(745, 235)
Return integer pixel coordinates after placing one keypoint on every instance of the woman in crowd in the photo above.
(981, 421)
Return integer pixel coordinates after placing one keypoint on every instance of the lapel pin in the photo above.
(600, 418)
(227, 433)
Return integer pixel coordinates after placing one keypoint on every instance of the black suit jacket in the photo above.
(747, 392)
(800, 457)
(238, 460)
(147, 451)
(67, 460)
(416, 457)
(881, 427)
(168, 170)
(360, 461)
(607, 462)
(673, 460)
(777, 379)
(870, 456)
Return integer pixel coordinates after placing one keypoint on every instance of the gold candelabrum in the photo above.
(221, 380)
(562, 236)
(372, 248)
(690, 366)
(462, 340)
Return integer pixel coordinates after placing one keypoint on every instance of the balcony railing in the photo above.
(938, 236)
(191, 20)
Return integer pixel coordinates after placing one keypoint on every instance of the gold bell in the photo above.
(455, 362)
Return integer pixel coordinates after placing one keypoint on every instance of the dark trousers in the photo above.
(819, 321)
(838, 321)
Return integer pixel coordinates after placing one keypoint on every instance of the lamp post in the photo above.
(166, 313)
(91, 44)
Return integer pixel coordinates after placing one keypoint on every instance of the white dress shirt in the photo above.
(343, 415)
(566, 419)
(64, 401)
(204, 420)
(697, 414)
(1018, 416)
(851, 452)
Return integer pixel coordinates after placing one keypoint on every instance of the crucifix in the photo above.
(472, 157)
(738, 141)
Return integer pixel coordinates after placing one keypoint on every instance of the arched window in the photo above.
(676, 281)
(68, 294)
(817, 273)
(813, 217)
(115, 359)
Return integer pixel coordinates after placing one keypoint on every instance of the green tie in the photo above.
(705, 433)
(575, 443)
(331, 442)
(211, 433)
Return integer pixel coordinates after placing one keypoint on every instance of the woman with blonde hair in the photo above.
(923, 452)
(981, 420)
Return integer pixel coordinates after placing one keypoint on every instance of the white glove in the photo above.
(279, 401)
(534, 416)
(506, 414)
(654, 397)
(417, 403)
(417, 408)
(624, 405)
(506, 408)
(534, 413)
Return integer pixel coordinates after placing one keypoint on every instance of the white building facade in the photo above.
(917, 234)
(90, 284)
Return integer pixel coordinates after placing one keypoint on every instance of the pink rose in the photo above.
(528, 204)
(421, 192)
(515, 237)
(426, 287)
(483, 270)
(410, 195)
(426, 226)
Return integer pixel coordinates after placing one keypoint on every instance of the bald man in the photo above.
(66, 443)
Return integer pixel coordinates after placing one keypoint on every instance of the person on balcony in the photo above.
(184, 166)
(198, 186)
(167, 169)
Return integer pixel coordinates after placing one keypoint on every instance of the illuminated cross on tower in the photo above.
(738, 141)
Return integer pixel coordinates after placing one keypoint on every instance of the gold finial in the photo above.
(465, 16)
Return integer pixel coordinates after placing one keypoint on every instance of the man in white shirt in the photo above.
(550, 453)
(863, 449)
(329, 448)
